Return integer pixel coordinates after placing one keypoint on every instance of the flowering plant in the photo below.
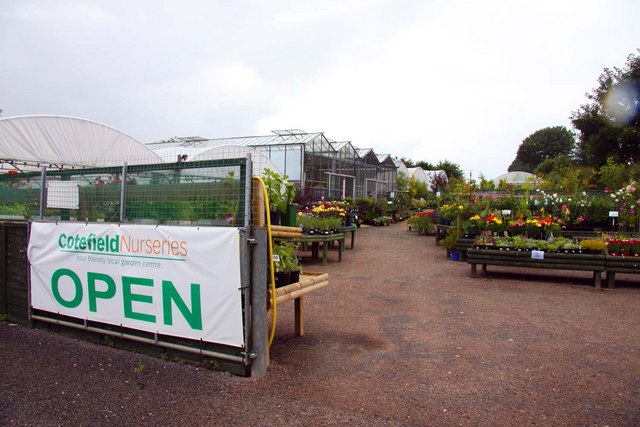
(628, 201)
(423, 221)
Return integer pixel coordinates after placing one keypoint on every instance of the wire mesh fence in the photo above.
(207, 192)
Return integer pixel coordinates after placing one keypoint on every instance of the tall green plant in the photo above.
(279, 190)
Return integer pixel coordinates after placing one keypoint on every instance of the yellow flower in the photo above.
(475, 218)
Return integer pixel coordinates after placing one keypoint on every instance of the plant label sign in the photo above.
(613, 214)
(178, 281)
(537, 254)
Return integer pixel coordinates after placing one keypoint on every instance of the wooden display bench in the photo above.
(350, 229)
(326, 240)
(551, 260)
(462, 246)
(309, 282)
(620, 264)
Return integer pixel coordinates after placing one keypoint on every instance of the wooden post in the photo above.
(474, 270)
(325, 252)
(299, 316)
(258, 217)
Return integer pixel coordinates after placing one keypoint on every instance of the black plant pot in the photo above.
(294, 276)
(275, 217)
(283, 278)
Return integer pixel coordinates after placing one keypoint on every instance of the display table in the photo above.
(352, 229)
(620, 264)
(325, 239)
(550, 260)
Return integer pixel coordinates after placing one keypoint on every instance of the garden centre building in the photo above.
(319, 166)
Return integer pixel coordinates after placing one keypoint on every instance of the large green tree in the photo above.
(608, 123)
(543, 144)
(453, 170)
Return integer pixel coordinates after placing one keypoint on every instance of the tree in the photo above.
(452, 170)
(609, 122)
(425, 165)
(543, 144)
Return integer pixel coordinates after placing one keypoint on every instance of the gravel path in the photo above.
(401, 337)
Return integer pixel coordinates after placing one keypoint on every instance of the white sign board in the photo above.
(178, 281)
(537, 254)
(63, 195)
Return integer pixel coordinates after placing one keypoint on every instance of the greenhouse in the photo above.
(319, 166)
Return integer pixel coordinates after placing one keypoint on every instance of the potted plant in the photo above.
(280, 192)
(450, 242)
(593, 245)
(287, 264)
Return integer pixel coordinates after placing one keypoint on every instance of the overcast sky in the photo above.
(464, 81)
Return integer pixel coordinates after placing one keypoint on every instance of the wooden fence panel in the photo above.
(14, 298)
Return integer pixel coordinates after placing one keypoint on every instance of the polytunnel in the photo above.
(65, 142)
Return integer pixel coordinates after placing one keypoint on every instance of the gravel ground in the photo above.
(401, 337)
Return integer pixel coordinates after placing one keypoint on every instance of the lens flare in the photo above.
(622, 103)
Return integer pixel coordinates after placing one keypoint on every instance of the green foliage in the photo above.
(612, 174)
(382, 220)
(366, 207)
(287, 258)
(453, 170)
(425, 165)
(450, 241)
(310, 222)
(486, 184)
(609, 122)
(419, 189)
(402, 181)
(279, 190)
(547, 143)
(139, 369)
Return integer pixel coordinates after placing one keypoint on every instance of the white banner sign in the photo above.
(178, 281)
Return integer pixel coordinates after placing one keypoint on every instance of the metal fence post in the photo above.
(123, 192)
(259, 302)
(43, 189)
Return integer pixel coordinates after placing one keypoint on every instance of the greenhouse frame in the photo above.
(319, 166)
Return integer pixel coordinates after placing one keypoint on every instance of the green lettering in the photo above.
(193, 317)
(55, 287)
(94, 294)
(129, 297)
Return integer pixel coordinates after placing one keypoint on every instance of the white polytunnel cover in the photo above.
(418, 174)
(62, 140)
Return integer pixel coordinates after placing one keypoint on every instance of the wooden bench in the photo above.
(462, 246)
(309, 282)
(551, 260)
(581, 234)
(620, 264)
